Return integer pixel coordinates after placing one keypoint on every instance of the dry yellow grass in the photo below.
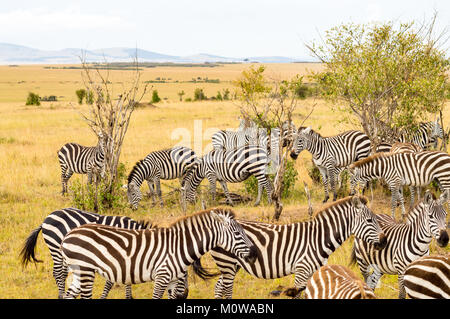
(30, 173)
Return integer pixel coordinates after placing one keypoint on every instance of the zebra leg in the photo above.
(161, 283)
(158, 190)
(302, 274)
(151, 187)
(128, 292)
(82, 283)
(60, 273)
(402, 204)
(224, 286)
(323, 172)
(225, 190)
(413, 195)
(332, 177)
(107, 289)
(269, 189)
(180, 289)
(65, 176)
(212, 186)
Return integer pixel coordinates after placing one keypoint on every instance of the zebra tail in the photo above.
(28, 250)
(202, 272)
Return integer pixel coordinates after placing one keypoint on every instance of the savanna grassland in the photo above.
(30, 137)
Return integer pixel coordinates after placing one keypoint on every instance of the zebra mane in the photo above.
(184, 220)
(133, 170)
(144, 224)
(339, 202)
(370, 159)
(410, 216)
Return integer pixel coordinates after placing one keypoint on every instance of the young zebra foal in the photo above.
(56, 225)
(406, 242)
(162, 255)
(165, 164)
(336, 282)
(428, 278)
(76, 158)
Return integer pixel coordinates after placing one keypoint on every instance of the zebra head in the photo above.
(191, 180)
(437, 216)
(134, 195)
(300, 141)
(232, 237)
(365, 225)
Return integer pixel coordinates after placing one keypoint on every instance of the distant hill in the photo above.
(17, 54)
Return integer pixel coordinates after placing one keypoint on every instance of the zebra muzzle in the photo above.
(442, 240)
(294, 156)
(382, 241)
(252, 255)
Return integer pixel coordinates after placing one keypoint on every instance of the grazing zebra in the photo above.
(428, 278)
(425, 137)
(336, 282)
(165, 164)
(331, 154)
(299, 248)
(76, 158)
(398, 169)
(161, 255)
(406, 242)
(232, 166)
(56, 225)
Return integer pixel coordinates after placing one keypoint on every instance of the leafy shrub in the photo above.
(290, 177)
(81, 95)
(33, 99)
(83, 194)
(155, 97)
(199, 95)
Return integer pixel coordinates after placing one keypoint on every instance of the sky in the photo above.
(230, 28)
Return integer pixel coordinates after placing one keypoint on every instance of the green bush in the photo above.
(83, 194)
(33, 99)
(199, 95)
(290, 177)
(155, 97)
(81, 95)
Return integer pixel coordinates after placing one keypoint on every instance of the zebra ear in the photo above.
(219, 218)
(307, 130)
(444, 197)
(428, 198)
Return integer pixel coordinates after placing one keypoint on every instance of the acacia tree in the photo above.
(270, 104)
(387, 75)
(110, 114)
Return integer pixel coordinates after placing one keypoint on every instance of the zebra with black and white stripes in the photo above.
(426, 136)
(337, 282)
(299, 248)
(231, 166)
(331, 154)
(76, 158)
(161, 255)
(56, 225)
(399, 169)
(428, 278)
(164, 164)
(406, 242)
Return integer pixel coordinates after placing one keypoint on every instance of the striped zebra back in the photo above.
(344, 148)
(337, 282)
(428, 278)
(78, 158)
(425, 136)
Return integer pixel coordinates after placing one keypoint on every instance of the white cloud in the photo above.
(40, 20)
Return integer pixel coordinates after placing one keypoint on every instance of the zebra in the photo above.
(232, 166)
(425, 136)
(76, 158)
(331, 154)
(164, 164)
(398, 169)
(406, 242)
(336, 282)
(161, 255)
(299, 248)
(56, 225)
(428, 278)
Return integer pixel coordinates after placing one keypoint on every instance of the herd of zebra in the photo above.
(125, 251)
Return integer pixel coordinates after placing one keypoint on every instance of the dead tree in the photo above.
(110, 113)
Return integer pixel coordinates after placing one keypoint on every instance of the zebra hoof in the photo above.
(325, 200)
